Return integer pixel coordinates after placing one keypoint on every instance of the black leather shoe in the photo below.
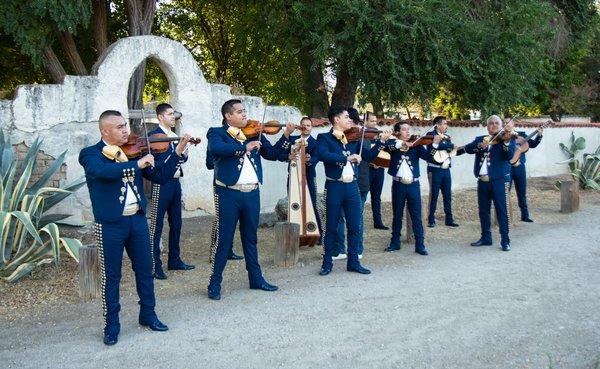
(431, 224)
(265, 287)
(110, 338)
(214, 295)
(358, 269)
(391, 248)
(422, 252)
(325, 270)
(160, 274)
(234, 256)
(155, 325)
(480, 243)
(506, 247)
(182, 266)
(381, 226)
(527, 220)
(452, 224)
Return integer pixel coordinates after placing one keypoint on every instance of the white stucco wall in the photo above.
(65, 117)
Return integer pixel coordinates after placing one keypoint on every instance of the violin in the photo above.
(137, 146)
(356, 133)
(253, 128)
(500, 137)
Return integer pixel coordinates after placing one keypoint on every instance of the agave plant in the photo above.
(29, 237)
(588, 173)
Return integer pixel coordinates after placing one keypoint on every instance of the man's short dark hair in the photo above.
(109, 113)
(335, 111)
(438, 119)
(228, 106)
(162, 108)
(353, 113)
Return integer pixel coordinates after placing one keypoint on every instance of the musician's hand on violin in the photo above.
(509, 126)
(540, 130)
(182, 145)
(437, 139)
(289, 129)
(250, 146)
(146, 161)
(354, 158)
(307, 157)
(385, 135)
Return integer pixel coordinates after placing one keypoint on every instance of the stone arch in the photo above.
(190, 93)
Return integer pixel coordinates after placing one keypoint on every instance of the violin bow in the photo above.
(263, 121)
(428, 131)
(362, 137)
(146, 129)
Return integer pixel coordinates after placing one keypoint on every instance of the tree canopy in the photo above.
(451, 56)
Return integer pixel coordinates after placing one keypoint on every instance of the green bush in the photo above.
(29, 236)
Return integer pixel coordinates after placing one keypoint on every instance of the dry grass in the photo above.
(48, 286)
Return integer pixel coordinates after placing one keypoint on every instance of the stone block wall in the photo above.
(42, 162)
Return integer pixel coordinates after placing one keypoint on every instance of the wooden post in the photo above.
(287, 238)
(89, 273)
(410, 237)
(569, 196)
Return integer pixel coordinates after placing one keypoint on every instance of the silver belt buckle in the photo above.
(484, 178)
(131, 209)
(247, 187)
(348, 178)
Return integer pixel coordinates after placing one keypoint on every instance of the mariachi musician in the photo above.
(166, 198)
(311, 160)
(438, 172)
(492, 170)
(119, 205)
(405, 152)
(340, 158)
(238, 174)
(518, 172)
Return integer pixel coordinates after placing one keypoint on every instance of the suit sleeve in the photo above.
(218, 146)
(163, 169)
(422, 152)
(370, 154)
(326, 155)
(96, 167)
(471, 148)
(533, 142)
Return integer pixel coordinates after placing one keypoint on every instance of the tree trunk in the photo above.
(344, 93)
(99, 25)
(70, 48)
(378, 108)
(52, 65)
(140, 16)
(314, 83)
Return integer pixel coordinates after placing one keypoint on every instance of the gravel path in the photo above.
(461, 307)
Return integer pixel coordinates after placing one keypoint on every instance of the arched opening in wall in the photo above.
(147, 92)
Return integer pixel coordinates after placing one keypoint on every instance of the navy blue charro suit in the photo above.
(518, 174)
(440, 178)
(108, 183)
(311, 172)
(340, 195)
(494, 187)
(406, 193)
(166, 198)
(233, 205)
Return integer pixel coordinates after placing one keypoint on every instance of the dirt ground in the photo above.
(534, 307)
